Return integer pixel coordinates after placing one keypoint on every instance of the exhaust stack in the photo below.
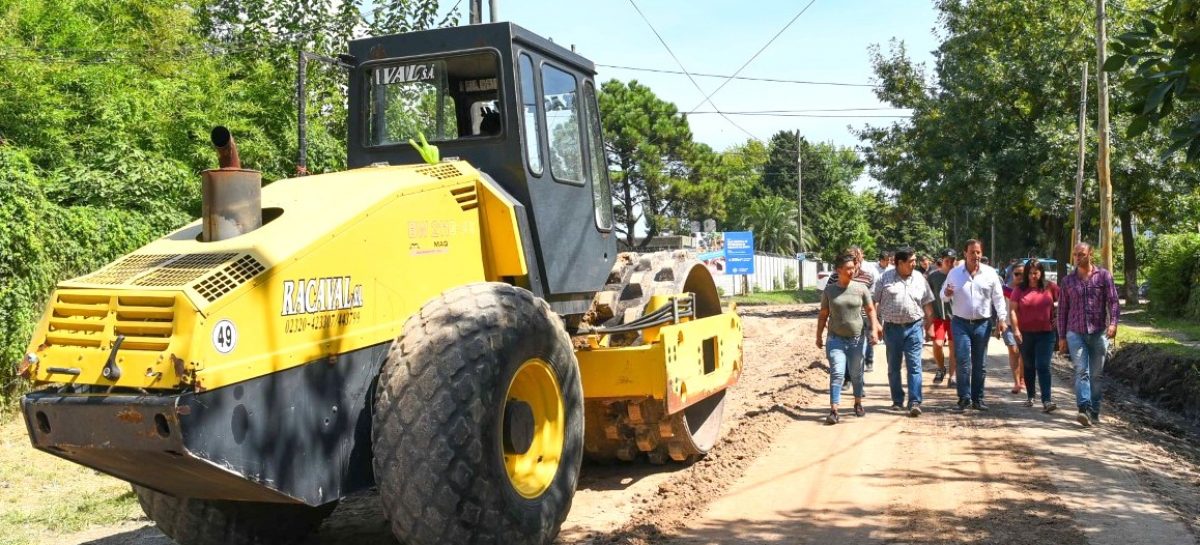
(231, 196)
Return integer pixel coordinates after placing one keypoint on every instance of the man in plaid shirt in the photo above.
(1087, 322)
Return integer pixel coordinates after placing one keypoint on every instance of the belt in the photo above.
(910, 324)
(979, 321)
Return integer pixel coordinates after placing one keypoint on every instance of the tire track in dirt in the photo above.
(784, 373)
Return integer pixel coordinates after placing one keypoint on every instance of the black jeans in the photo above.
(1037, 347)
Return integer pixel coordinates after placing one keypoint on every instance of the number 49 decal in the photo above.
(224, 336)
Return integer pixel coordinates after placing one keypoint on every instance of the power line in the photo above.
(793, 114)
(685, 72)
(756, 54)
(803, 110)
(743, 78)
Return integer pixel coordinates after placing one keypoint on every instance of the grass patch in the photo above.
(1188, 329)
(784, 297)
(42, 496)
(1141, 334)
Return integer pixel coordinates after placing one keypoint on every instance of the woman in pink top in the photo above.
(1030, 313)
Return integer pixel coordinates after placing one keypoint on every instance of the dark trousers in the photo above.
(1037, 347)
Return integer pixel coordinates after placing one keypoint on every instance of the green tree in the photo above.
(105, 110)
(649, 143)
(993, 130)
(1162, 52)
(826, 168)
(773, 221)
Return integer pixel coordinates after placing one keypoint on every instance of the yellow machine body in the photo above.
(341, 262)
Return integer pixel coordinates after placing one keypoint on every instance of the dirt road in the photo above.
(1012, 475)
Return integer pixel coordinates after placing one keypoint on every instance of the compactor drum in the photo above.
(459, 333)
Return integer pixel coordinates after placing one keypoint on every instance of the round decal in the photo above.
(224, 336)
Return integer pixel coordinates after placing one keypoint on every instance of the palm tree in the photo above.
(773, 221)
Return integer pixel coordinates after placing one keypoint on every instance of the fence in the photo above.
(769, 273)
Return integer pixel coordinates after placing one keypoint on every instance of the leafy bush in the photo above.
(42, 242)
(1174, 275)
(790, 279)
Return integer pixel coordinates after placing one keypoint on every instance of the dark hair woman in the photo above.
(842, 306)
(1031, 310)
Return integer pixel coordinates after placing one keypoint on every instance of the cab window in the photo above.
(533, 136)
(601, 189)
(560, 105)
(444, 99)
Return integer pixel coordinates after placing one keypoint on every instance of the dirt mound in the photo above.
(1170, 380)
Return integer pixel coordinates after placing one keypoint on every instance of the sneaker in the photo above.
(832, 418)
(938, 376)
(1095, 416)
(859, 411)
(915, 411)
(1083, 419)
(896, 407)
(951, 384)
(868, 367)
(1049, 407)
(1029, 402)
(963, 403)
(979, 406)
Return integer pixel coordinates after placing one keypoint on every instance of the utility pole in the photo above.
(476, 11)
(800, 189)
(1106, 206)
(800, 202)
(1076, 233)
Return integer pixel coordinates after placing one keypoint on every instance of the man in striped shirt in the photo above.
(1087, 322)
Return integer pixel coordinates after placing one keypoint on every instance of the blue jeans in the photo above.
(1088, 351)
(904, 341)
(1036, 350)
(844, 352)
(970, 349)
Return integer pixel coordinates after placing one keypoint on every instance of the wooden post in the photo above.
(1106, 207)
(1076, 233)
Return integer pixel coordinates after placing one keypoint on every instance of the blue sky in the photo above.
(827, 43)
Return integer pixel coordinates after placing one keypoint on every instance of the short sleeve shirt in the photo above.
(1035, 308)
(845, 306)
(901, 300)
(941, 308)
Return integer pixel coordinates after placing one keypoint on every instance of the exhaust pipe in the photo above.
(231, 197)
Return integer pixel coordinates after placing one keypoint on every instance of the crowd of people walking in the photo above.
(959, 303)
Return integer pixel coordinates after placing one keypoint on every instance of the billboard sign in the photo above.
(726, 253)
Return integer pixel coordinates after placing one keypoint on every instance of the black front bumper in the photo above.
(296, 436)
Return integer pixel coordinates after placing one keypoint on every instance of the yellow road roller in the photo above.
(459, 333)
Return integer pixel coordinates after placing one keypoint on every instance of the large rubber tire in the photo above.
(439, 412)
(190, 521)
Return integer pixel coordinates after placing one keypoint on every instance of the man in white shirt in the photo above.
(974, 290)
